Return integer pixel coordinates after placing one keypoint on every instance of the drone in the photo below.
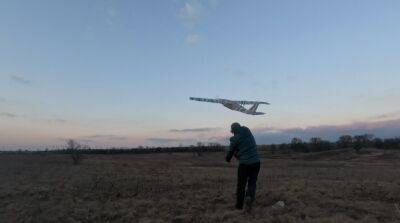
(236, 105)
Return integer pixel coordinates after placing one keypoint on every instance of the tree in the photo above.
(297, 145)
(199, 151)
(284, 148)
(296, 141)
(362, 141)
(315, 140)
(214, 144)
(345, 141)
(73, 148)
(272, 148)
(378, 143)
(392, 143)
(317, 144)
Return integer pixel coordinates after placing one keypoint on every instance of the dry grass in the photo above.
(335, 187)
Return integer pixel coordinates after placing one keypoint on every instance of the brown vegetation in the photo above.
(331, 186)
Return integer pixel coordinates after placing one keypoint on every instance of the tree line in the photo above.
(75, 148)
(315, 144)
(356, 142)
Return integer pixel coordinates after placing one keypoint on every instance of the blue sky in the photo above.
(121, 72)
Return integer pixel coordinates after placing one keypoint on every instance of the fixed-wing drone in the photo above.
(236, 105)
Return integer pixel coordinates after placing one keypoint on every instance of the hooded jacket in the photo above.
(242, 146)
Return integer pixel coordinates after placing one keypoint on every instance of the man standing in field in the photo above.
(244, 148)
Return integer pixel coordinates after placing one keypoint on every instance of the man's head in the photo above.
(235, 128)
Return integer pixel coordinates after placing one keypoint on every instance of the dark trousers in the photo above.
(247, 174)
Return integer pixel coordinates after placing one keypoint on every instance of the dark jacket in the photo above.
(243, 146)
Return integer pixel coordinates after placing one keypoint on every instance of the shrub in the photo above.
(73, 148)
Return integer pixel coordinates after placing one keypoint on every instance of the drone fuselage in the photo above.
(235, 105)
(230, 104)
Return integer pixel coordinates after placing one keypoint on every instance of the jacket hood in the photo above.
(236, 128)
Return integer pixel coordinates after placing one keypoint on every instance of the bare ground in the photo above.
(334, 186)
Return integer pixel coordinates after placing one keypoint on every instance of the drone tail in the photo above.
(253, 108)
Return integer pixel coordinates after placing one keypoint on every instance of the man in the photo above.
(244, 148)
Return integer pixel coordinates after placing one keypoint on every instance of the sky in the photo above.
(120, 73)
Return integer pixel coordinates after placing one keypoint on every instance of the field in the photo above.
(334, 186)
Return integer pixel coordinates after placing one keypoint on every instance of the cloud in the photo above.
(391, 115)
(111, 15)
(20, 79)
(194, 130)
(87, 141)
(190, 12)
(238, 73)
(3, 100)
(192, 39)
(384, 129)
(57, 121)
(98, 139)
(29, 118)
(64, 140)
(163, 140)
(8, 115)
(107, 137)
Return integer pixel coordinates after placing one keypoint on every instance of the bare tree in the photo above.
(345, 141)
(362, 141)
(73, 147)
(297, 145)
(378, 143)
(199, 149)
(317, 144)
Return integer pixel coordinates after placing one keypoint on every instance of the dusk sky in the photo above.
(120, 73)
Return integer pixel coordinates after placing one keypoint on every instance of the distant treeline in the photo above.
(356, 142)
(73, 148)
(144, 150)
(315, 144)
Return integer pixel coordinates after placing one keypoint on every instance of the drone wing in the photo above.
(206, 100)
(252, 102)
